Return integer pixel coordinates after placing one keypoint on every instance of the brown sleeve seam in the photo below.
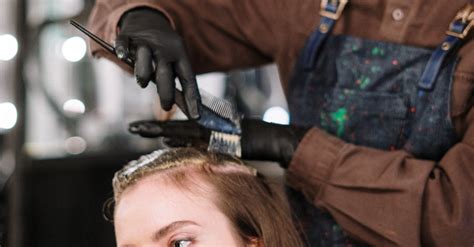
(106, 6)
(330, 173)
(464, 75)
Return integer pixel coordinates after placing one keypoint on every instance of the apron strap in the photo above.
(458, 30)
(330, 11)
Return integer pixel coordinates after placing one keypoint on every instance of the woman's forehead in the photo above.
(155, 202)
(175, 187)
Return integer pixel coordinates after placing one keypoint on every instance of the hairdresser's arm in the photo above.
(391, 198)
(218, 34)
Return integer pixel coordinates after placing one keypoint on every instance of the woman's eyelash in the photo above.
(181, 243)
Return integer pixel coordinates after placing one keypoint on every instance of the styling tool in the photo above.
(217, 114)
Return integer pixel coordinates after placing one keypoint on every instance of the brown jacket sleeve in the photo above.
(216, 32)
(381, 197)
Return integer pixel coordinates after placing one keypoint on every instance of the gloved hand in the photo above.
(147, 36)
(260, 140)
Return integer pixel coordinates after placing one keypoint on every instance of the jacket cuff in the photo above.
(313, 162)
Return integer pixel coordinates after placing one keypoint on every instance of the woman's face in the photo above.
(155, 212)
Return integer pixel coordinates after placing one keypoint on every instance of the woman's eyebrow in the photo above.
(172, 227)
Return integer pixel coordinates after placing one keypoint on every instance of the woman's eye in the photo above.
(181, 243)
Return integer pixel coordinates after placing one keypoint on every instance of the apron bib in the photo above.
(366, 93)
(370, 93)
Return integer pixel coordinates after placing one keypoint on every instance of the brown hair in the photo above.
(254, 207)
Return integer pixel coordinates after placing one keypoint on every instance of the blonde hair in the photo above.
(254, 207)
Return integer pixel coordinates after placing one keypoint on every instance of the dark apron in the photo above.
(370, 93)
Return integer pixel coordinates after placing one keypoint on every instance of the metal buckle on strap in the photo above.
(465, 16)
(340, 7)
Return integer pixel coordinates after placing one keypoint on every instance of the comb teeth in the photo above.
(220, 106)
(227, 143)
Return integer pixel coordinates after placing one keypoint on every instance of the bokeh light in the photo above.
(74, 107)
(276, 114)
(75, 145)
(8, 115)
(8, 47)
(74, 49)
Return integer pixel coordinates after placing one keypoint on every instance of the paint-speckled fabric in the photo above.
(366, 93)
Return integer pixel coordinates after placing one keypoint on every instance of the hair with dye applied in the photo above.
(256, 208)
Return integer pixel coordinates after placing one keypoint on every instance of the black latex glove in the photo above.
(260, 140)
(147, 36)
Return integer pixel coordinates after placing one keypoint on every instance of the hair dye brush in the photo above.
(217, 114)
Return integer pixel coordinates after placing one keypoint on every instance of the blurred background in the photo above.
(64, 118)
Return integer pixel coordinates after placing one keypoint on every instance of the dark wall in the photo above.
(63, 198)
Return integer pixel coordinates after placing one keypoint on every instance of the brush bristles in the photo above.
(225, 143)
